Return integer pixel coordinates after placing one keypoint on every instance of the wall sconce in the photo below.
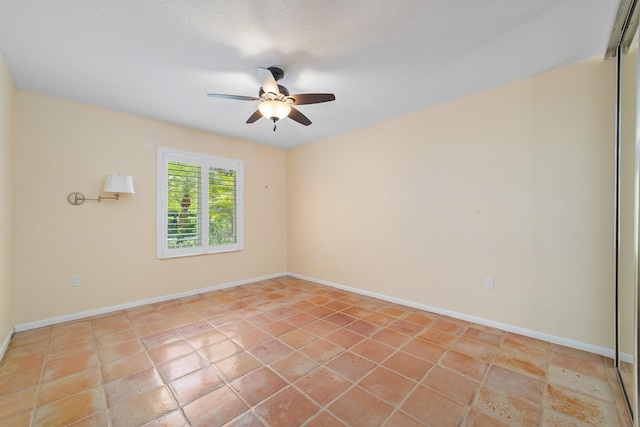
(116, 184)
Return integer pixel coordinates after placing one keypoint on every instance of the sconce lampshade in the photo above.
(118, 184)
(274, 109)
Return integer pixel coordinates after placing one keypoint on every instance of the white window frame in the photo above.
(166, 155)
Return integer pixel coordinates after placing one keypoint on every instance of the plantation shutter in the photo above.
(184, 213)
(200, 204)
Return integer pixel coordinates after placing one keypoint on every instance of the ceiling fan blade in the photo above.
(299, 117)
(312, 98)
(238, 97)
(254, 117)
(267, 81)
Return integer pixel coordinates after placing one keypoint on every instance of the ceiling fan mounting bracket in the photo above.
(277, 73)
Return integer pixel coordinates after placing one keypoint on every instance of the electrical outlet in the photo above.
(488, 283)
(75, 280)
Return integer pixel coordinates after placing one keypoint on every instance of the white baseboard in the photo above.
(603, 351)
(607, 352)
(5, 343)
(95, 312)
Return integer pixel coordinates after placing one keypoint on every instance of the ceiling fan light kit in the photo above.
(274, 100)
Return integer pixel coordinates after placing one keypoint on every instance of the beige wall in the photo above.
(63, 146)
(514, 183)
(6, 205)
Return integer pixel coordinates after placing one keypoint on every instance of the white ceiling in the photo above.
(381, 58)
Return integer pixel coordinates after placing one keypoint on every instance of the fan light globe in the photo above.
(274, 109)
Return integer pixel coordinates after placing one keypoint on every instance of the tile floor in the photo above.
(286, 352)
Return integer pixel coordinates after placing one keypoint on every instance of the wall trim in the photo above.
(579, 345)
(103, 310)
(5, 343)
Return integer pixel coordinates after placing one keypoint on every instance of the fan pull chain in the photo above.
(274, 125)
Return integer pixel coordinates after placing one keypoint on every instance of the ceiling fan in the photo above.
(274, 101)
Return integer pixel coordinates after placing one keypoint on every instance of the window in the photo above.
(199, 204)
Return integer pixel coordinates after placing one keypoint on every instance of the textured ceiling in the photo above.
(381, 58)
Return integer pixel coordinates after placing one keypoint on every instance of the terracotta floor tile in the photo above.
(429, 406)
(71, 384)
(323, 385)
(289, 407)
(324, 419)
(379, 319)
(237, 365)
(220, 350)
(70, 409)
(125, 366)
(337, 305)
(172, 419)
(270, 351)
(358, 408)
(181, 366)
(485, 334)
(17, 352)
(258, 385)
(357, 312)
(340, 319)
(406, 327)
(450, 325)
(294, 366)
(116, 338)
(62, 367)
(424, 350)
(389, 337)
(298, 338)
(351, 366)
(17, 402)
(529, 346)
(475, 349)
(392, 311)
(408, 365)
(478, 419)
(321, 312)
(167, 352)
(143, 408)
(196, 384)
(235, 328)
(301, 319)
(116, 351)
(465, 365)
(248, 419)
(321, 328)
(583, 364)
(322, 350)
(508, 409)
(278, 328)
(387, 385)
(344, 338)
(521, 362)
(400, 419)
(451, 384)
(162, 338)
(125, 388)
(33, 336)
(513, 383)
(206, 339)
(298, 353)
(579, 406)
(372, 350)
(19, 381)
(71, 349)
(363, 328)
(251, 338)
(438, 337)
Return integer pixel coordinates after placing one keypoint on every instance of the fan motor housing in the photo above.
(283, 90)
